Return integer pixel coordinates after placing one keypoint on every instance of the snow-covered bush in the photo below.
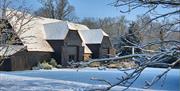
(59, 66)
(53, 62)
(46, 65)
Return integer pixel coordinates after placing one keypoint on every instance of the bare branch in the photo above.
(157, 78)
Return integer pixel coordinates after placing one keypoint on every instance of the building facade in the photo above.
(64, 41)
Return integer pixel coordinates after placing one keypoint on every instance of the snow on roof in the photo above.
(10, 50)
(35, 33)
(44, 20)
(74, 26)
(55, 31)
(31, 33)
(92, 36)
(40, 29)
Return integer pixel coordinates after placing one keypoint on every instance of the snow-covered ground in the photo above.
(73, 80)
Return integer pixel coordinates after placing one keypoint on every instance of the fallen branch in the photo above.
(108, 59)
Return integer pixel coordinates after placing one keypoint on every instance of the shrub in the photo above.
(45, 65)
(59, 66)
(53, 62)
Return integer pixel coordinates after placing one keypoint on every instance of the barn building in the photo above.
(65, 40)
(44, 38)
(98, 42)
(54, 38)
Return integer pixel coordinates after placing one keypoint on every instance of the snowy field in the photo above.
(73, 80)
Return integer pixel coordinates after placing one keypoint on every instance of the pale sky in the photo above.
(98, 9)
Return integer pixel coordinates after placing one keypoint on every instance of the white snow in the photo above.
(73, 80)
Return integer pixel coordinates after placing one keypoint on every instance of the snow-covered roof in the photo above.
(92, 36)
(31, 33)
(55, 31)
(39, 29)
(75, 26)
(47, 29)
(36, 30)
(10, 50)
(33, 36)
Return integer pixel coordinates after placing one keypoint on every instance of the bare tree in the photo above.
(57, 9)
(47, 9)
(64, 9)
(172, 13)
(12, 21)
(152, 7)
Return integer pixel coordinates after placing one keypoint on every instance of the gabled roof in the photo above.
(38, 30)
(92, 36)
(31, 33)
(35, 33)
(57, 29)
(32, 36)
